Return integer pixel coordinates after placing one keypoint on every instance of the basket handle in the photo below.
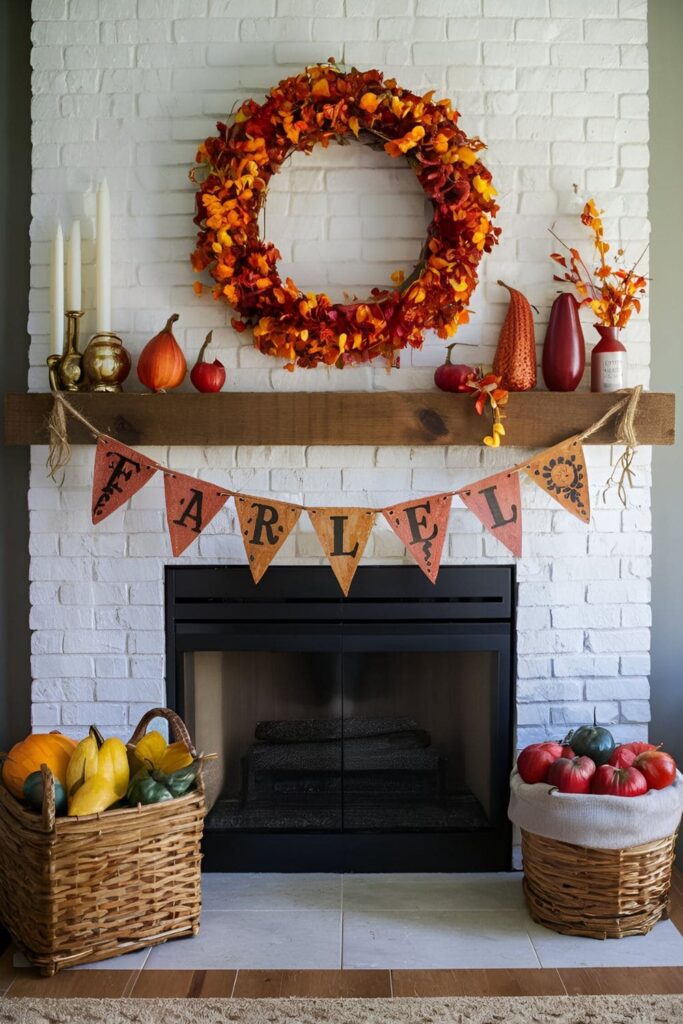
(48, 812)
(179, 730)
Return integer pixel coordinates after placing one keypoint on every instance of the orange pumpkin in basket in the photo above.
(52, 748)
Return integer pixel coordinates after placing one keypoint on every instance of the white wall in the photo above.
(666, 28)
(128, 89)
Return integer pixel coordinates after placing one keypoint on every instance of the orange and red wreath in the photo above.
(321, 105)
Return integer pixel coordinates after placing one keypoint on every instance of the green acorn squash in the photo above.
(33, 793)
(591, 741)
(152, 787)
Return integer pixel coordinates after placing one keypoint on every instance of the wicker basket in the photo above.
(79, 890)
(599, 894)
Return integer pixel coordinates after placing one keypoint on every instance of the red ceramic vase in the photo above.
(564, 350)
(608, 361)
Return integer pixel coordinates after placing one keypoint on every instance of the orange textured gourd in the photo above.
(52, 748)
(162, 365)
(515, 359)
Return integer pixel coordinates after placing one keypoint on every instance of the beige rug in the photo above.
(522, 1010)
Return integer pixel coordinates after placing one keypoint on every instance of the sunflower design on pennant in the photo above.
(565, 476)
(561, 472)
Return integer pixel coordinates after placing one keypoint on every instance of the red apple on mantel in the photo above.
(453, 376)
(571, 775)
(207, 377)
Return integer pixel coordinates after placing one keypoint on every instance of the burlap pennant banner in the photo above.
(496, 502)
(343, 534)
(561, 473)
(265, 526)
(118, 474)
(422, 525)
(191, 504)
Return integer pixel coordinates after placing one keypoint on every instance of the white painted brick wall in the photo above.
(127, 88)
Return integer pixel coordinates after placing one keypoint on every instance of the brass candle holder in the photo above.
(106, 363)
(66, 371)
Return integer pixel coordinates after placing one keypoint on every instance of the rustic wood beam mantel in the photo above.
(535, 419)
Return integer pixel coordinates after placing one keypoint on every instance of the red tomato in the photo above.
(554, 748)
(625, 754)
(611, 781)
(534, 761)
(571, 775)
(568, 752)
(658, 768)
(622, 757)
(638, 747)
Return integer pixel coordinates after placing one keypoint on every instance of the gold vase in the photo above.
(66, 371)
(106, 363)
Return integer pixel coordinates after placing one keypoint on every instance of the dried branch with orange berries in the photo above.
(610, 290)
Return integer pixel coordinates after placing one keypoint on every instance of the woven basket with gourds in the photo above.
(77, 890)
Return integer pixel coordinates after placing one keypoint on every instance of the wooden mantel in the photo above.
(535, 419)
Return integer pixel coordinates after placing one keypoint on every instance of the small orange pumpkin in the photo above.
(52, 748)
(162, 365)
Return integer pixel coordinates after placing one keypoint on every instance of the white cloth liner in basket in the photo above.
(600, 822)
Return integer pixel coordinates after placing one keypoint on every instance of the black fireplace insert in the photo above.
(367, 733)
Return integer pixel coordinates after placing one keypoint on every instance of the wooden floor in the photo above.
(335, 984)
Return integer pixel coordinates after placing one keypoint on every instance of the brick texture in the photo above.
(126, 89)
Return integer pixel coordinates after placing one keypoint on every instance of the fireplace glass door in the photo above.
(274, 718)
(417, 743)
(366, 736)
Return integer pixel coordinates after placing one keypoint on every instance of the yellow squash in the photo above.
(113, 765)
(98, 774)
(95, 795)
(83, 762)
(175, 757)
(154, 753)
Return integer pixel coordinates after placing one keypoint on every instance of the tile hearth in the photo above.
(383, 922)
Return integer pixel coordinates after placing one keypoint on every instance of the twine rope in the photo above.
(628, 404)
(77, 415)
(59, 452)
(623, 473)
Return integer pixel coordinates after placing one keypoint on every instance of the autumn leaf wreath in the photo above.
(320, 105)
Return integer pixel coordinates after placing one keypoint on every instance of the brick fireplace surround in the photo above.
(126, 89)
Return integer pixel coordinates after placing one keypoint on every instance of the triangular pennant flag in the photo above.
(191, 504)
(496, 502)
(118, 474)
(265, 526)
(561, 473)
(343, 533)
(422, 525)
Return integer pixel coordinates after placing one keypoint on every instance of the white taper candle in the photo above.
(57, 293)
(73, 268)
(103, 258)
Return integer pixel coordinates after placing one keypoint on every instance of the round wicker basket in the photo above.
(599, 894)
